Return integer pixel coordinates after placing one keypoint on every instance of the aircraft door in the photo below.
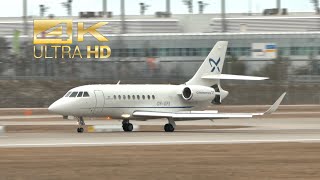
(99, 101)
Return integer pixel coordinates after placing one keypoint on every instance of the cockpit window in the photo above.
(68, 93)
(85, 94)
(80, 94)
(74, 94)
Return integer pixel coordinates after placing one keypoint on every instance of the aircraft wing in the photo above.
(192, 115)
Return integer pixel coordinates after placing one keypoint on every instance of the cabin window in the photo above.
(85, 94)
(148, 97)
(153, 97)
(143, 97)
(80, 94)
(119, 97)
(138, 97)
(114, 97)
(133, 97)
(129, 97)
(74, 94)
(68, 93)
(124, 97)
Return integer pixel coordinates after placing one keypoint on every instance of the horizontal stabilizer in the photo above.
(233, 77)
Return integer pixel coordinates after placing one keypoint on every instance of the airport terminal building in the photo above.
(254, 39)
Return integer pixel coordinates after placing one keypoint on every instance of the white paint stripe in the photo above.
(29, 117)
(155, 143)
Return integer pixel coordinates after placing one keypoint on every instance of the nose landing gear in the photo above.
(127, 126)
(80, 123)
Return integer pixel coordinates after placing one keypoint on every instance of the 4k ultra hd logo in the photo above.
(57, 36)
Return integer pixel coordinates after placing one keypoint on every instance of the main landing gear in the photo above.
(127, 126)
(170, 126)
(80, 123)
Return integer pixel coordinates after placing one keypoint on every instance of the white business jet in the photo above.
(142, 102)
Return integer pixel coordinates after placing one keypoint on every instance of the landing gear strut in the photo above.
(127, 126)
(80, 123)
(170, 126)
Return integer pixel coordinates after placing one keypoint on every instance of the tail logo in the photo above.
(214, 64)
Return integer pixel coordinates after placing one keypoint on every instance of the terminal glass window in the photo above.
(229, 52)
(162, 52)
(167, 52)
(115, 52)
(154, 52)
(123, 52)
(179, 52)
(197, 51)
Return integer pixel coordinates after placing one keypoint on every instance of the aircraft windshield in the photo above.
(74, 94)
(77, 94)
(80, 94)
(68, 94)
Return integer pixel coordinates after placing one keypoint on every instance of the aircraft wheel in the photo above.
(80, 130)
(168, 128)
(124, 127)
(129, 127)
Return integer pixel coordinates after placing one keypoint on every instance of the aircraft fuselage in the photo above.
(119, 101)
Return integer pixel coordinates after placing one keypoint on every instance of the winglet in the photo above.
(118, 82)
(275, 106)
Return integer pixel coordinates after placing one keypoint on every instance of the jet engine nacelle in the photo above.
(198, 93)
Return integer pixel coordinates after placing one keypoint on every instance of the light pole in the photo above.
(104, 8)
(25, 17)
(279, 6)
(223, 16)
(168, 6)
(122, 8)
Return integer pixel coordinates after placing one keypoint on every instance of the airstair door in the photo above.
(99, 102)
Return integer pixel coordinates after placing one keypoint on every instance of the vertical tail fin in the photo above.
(213, 64)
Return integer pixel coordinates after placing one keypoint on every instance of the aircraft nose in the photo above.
(57, 107)
(53, 107)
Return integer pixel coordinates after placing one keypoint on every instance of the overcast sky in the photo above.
(13, 8)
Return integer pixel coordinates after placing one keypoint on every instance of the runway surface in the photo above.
(291, 126)
(38, 145)
(259, 131)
